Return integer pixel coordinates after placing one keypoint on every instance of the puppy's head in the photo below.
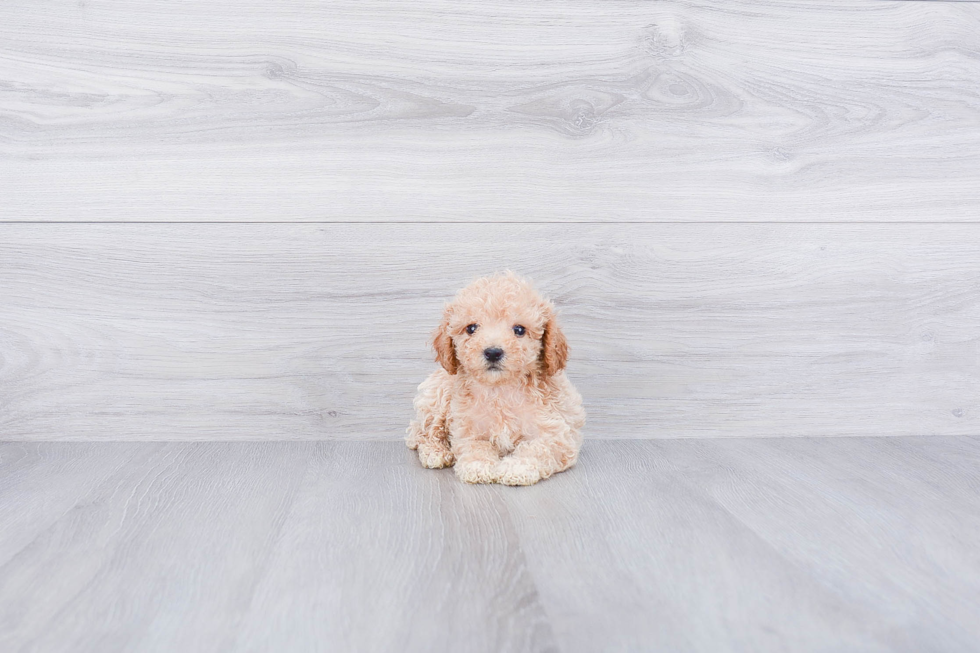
(498, 330)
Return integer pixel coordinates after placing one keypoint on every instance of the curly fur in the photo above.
(514, 422)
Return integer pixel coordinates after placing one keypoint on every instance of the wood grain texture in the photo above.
(491, 110)
(842, 544)
(139, 513)
(312, 332)
(401, 561)
(665, 540)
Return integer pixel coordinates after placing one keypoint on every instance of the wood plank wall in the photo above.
(240, 220)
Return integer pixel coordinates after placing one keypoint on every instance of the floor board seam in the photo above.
(497, 222)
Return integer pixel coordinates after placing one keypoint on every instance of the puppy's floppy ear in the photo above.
(443, 344)
(554, 347)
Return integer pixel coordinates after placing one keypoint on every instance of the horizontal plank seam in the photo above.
(494, 222)
(401, 441)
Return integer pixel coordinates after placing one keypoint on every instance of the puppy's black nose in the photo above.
(493, 354)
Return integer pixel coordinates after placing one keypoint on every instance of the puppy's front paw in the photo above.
(435, 456)
(517, 471)
(476, 471)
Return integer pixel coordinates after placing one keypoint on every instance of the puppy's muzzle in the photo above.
(493, 356)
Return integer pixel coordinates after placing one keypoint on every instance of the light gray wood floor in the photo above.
(814, 544)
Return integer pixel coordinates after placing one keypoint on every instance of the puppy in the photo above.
(500, 409)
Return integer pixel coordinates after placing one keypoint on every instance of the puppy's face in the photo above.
(499, 330)
(497, 348)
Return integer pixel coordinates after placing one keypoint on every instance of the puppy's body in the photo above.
(501, 408)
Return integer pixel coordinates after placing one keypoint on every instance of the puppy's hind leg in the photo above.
(429, 433)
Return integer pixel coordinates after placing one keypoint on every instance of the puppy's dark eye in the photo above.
(519, 330)
(471, 329)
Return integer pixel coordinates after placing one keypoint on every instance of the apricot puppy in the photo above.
(500, 408)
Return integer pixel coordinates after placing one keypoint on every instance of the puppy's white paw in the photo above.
(476, 471)
(516, 471)
(435, 457)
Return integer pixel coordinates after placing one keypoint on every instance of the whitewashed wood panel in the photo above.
(489, 110)
(811, 544)
(320, 331)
